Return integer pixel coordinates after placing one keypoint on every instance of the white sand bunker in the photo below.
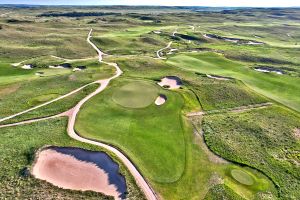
(27, 67)
(218, 77)
(160, 100)
(171, 82)
(67, 172)
(265, 70)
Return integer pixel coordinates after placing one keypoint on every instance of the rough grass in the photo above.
(42, 99)
(17, 148)
(263, 139)
(219, 94)
(284, 89)
(154, 132)
(222, 191)
(16, 101)
(54, 108)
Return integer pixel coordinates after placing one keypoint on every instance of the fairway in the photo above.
(192, 103)
(153, 131)
(137, 94)
(242, 177)
(281, 88)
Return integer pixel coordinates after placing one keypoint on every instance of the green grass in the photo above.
(154, 132)
(42, 99)
(242, 177)
(16, 99)
(176, 162)
(263, 139)
(219, 94)
(136, 94)
(222, 191)
(173, 157)
(284, 89)
(17, 150)
(54, 108)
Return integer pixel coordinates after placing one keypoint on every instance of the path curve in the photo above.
(167, 47)
(72, 114)
(141, 182)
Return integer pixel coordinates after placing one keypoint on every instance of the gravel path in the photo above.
(72, 114)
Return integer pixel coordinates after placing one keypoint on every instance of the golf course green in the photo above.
(242, 177)
(137, 94)
(229, 129)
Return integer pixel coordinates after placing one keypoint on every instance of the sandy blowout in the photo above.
(67, 172)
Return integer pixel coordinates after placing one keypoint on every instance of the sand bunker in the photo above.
(171, 82)
(56, 67)
(67, 172)
(267, 70)
(218, 77)
(27, 67)
(160, 100)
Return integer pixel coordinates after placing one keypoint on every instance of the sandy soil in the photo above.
(171, 83)
(268, 71)
(67, 172)
(297, 133)
(72, 114)
(160, 100)
(9, 89)
(27, 67)
(217, 77)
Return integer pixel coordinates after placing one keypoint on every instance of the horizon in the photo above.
(187, 3)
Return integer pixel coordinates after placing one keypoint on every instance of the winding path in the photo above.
(72, 114)
(159, 51)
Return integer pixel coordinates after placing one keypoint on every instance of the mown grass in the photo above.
(154, 132)
(15, 101)
(18, 147)
(135, 95)
(173, 157)
(54, 108)
(131, 33)
(263, 139)
(281, 88)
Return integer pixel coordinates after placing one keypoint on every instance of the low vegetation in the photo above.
(263, 139)
(17, 149)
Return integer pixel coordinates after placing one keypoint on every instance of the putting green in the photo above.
(42, 98)
(137, 94)
(242, 177)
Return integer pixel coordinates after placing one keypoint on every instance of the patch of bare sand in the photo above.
(160, 100)
(297, 133)
(170, 82)
(67, 172)
(218, 77)
(8, 89)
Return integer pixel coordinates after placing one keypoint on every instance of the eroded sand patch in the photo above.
(160, 100)
(67, 172)
(27, 67)
(171, 82)
(297, 133)
(217, 77)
